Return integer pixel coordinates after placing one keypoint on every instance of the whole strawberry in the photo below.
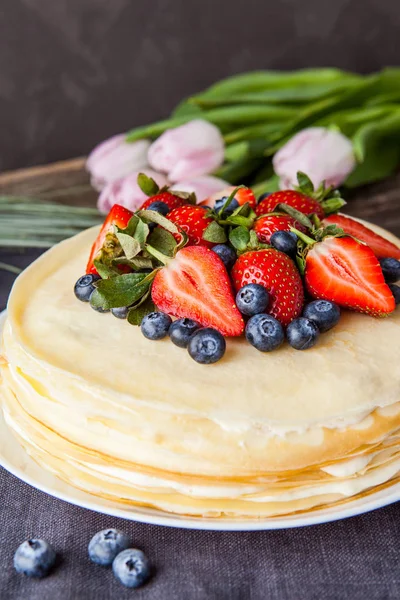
(297, 200)
(266, 225)
(168, 198)
(193, 220)
(304, 198)
(276, 272)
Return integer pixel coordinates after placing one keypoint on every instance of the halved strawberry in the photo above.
(168, 198)
(345, 271)
(381, 247)
(196, 285)
(266, 225)
(278, 274)
(194, 220)
(242, 196)
(293, 198)
(119, 216)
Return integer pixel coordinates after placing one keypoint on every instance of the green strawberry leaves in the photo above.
(214, 233)
(147, 185)
(163, 241)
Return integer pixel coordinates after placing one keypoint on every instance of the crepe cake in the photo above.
(253, 435)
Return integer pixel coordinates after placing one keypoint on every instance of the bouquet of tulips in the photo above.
(257, 128)
(261, 128)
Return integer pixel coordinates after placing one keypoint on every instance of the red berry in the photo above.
(297, 200)
(268, 224)
(168, 198)
(193, 220)
(345, 271)
(381, 247)
(278, 274)
(196, 285)
(118, 215)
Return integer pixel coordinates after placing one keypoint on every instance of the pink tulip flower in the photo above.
(203, 187)
(125, 191)
(189, 151)
(114, 158)
(323, 154)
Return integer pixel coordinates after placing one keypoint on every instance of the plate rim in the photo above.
(152, 516)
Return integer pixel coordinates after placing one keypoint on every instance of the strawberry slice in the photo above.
(278, 274)
(293, 198)
(195, 285)
(345, 271)
(169, 199)
(242, 196)
(119, 216)
(381, 247)
(265, 226)
(193, 220)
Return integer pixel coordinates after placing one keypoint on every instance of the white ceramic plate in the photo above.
(16, 461)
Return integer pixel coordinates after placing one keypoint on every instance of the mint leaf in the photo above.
(98, 300)
(214, 233)
(163, 241)
(136, 263)
(129, 245)
(123, 290)
(141, 233)
(105, 271)
(239, 238)
(154, 217)
(137, 313)
(253, 243)
(243, 221)
(147, 185)
(130, 228)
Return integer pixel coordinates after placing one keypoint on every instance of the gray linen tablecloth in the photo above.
(355, 559)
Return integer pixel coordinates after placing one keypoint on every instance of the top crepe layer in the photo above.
(148, 402)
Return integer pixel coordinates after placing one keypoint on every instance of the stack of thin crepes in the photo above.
(137, 421)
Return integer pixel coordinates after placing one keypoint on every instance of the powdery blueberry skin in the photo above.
(302, 333)
(34, 558)
(131, 568)
(324, 313)
(264, 332)
(106, 545)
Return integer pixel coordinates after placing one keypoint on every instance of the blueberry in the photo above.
(106, 544)
(159, 207)
(302, 333)
(131, 568)
(252, 299)
(262, 197)
(226, 254)
(395, 289)
(390, 269)
(155, 325)
(120, 312)
(84, 287)
(264, 332)
(234, 204)
(207, 346)
(285, 241)
(323, 313)
(181, 331)
(98, 308)
(34, 558)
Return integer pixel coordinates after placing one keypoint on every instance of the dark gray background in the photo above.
(75, 71)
